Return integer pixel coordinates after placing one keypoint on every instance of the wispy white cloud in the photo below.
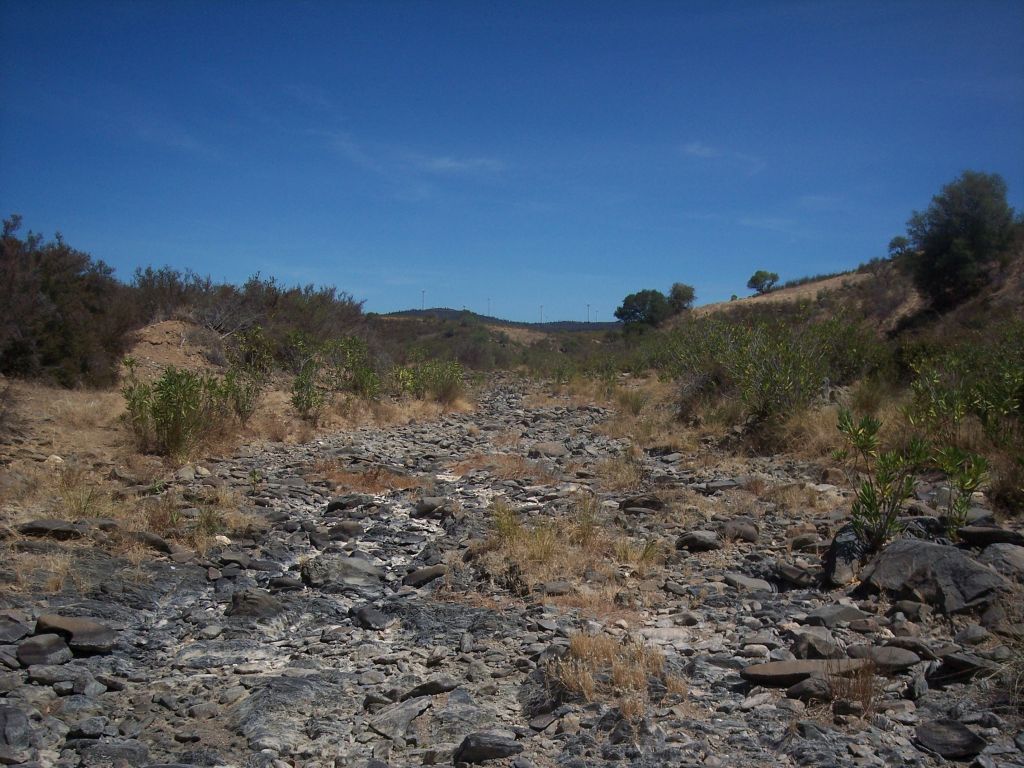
(748, 164)
(447, 165)
(821, 203)
(411, 175)
(773, 223)
(700, 149)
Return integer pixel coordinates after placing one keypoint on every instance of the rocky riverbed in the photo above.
(364, 629)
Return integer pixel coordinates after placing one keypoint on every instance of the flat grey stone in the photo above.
(949, 739)
(699, 541)
(747, 583)
(331, 572)
(44, 649)
(51, 528)
(84, 635)
(486, 745)
(548, 450)
(782, 674)
(831, 615)
(423, 576)
(254, 604)
(393, 722)
(888, 659)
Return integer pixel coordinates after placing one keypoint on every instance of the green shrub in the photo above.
(308, 396)
(888, 483)
(773, 366)
(965, 472)
(434, 379)
(177, 413)
(349, 368)
(970, 395)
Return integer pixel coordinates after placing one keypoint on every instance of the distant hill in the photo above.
(560, 326)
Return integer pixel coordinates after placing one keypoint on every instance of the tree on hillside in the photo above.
(648, 307)
(65, 317)
(681, 297)
(899, 246)
(762, 281)
(966, 228)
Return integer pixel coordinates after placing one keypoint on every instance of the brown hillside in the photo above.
(796, 293)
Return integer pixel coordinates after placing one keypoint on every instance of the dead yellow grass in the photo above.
(622, 473)
(797, 293)
(602, 667)
(505, 466)
(375, 480)
(862, 688)
(576, 547)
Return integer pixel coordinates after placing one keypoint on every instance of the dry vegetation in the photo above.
(581, 547)
(374, 480)
(606, 668)
(505, 466)
(73, 493)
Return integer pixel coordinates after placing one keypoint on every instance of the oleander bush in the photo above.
(177, 413)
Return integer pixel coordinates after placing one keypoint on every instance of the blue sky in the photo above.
(549, 153)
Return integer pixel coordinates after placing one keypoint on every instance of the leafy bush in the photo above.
(965, 471)
(976, 386)
(889, 480)
(308, 395)
(251, 361)
(178, 412)
(772, 366)
(350, 369)
(439, 380)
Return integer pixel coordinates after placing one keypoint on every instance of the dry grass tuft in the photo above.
(812, 432)
(578, 546)
(622, 473)
(602, 667)
(861, 688)
(793, 497)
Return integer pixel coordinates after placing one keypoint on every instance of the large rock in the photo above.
(83, 635)
(394, 721)
(548, 451)
(699, 541)
(940, 575)
(333, 573)
(12, 630)
(44, 649)
(254, 604)
(1007, 559)
(782, 674)
(15, 735)
(486, 745)
(949, 739)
